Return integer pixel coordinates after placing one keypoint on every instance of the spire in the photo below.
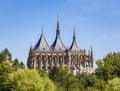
(91, 52)
(74, 37)
(58, 28)
(58, 44)
(74, 44)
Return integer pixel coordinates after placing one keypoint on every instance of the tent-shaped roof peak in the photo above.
(74, 46)
(42, 44)
(58, 44)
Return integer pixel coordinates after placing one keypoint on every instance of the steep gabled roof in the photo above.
(58, 44)
(74, 46)
(42, 44)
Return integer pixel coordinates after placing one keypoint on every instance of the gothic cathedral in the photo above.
(45, 57)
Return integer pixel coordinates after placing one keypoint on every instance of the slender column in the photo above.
(89, 64)
(57, 61)
(85, 59)
(50, 64)
(52, 60)
(45, 62)
(92, 64)
(38, 63)
(60, 61)
(40, 60)
(69, 60)
(63, 60)
(34, 59)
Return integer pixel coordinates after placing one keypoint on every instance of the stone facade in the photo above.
(45, 57)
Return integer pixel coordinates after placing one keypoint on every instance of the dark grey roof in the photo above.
(42, 44)
(74, 46)
(58, 44)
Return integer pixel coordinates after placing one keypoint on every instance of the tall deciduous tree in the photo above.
(6, 55)
(86, 80)
(16, 64)
(115, 84)
(108, 67)
(5, 70)
(64, 80)
(30, 80)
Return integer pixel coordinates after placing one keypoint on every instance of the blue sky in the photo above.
(97, 23)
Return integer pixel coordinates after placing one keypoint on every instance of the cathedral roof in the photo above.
(42, 44)
(74, 46)
(58, 44)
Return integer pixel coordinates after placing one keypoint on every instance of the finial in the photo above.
(42, 29)
(91, 52)
(74, 33)
(57, 23)
(58, 29)
(74, 37)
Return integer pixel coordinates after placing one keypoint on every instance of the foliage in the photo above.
(5, 70)
(22, 65)
(14, 76)
(102, 85)
(64, 80)
(30, 80)
(115, 84)
(5, 55)
(86, 80)
(108, 67)
(92, 89)
(17, 65)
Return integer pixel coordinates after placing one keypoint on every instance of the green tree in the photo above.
(17, 65)
(102, 85)
(86, 80)
(5, 55)
(72, 83)
(91, 89)
(1, 58)
(64, 80)
(30, 80)
(108, 67)
(22, 66)
(5, 70)
(115, 84)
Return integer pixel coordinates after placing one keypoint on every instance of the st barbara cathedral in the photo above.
(44, 56)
